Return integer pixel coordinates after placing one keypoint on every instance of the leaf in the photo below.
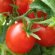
(2, 36)
(8, 53)
(3, 27)
(35, 51)
(2, 19)
(48, 51)
(50, 3)
(1, 30)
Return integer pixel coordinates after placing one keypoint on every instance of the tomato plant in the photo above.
(29, 23)
(17, 39)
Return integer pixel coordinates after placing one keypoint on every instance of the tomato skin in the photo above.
(41, 14)
(22, 5)
(46, 34)
(17, 40)
(5, 6)
(31, 15)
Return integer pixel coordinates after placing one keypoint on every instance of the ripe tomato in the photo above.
(38, 13)
(23, 6)
(41, 14)
(46, 34)
(17, 39)
(5, 6)
(31, 15)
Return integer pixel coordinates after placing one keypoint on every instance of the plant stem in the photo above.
(50, 22)
(35, 36)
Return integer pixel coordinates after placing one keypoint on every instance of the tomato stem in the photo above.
(35, 30)
(35, 36)
(50, 22)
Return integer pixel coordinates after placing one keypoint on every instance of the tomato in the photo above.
(17, 39)
(31, 15)
(5, 6)
(23, 6)
(39, 14)
(47, 35)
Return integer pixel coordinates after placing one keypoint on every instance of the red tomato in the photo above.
(38, 13)
(23, 6)
(31, 15)
(5, 6)
(46, 34)
(41, 14)
(17, 39)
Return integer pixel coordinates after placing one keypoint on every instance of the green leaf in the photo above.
(2, 36)
(48, 51)
(2, 23)
(2, 19)
(1, 30)
(2, 27)
(50, 3)
(35, 51)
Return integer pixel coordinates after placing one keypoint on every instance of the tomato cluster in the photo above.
(17, 38)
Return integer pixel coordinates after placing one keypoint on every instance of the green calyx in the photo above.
(29, 33)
